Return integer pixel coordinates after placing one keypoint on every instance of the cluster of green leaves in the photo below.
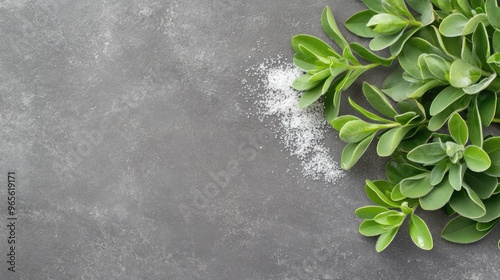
(429, 116)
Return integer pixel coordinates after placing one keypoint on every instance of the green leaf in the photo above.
(371, 228)
(330, 28)
(375, 5)
(492, 147)
(482, 184)
(396, 194)
(430, 153)
(476, 158)
(421, 136)
(445, 99)
(475, 125)
(424, 8)
(353, 151)
(385, 239)
(381, 42)
(412, 50)
(416, 186)
(357, 24)
(453, 25)
(367, 113)
(305, 63)
(399, 5)
(315, 46)
(474, 22)
(369, 212)
(370, 56)
(462, 74)
(374, 191)
(357, 130)
(467, 203)
(456, 176)
(437, 197)
(390, 218)
(378, 100)
(340, 121)
(438, 120)
(320, 76)
(486, 104)
(462, 230)
(493, 13)
(492, 206)
(481, 44)
(387, 24)
(425, 87)
(310, 96)
(476, 88)
(390, 140)
(437, 66)
(419, 233)
(486, 226)
(396, 171)
(303, 83)
(397, 46)
(458, 129)
(439, 171)
(496, 41)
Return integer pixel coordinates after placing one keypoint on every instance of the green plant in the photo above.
(430, 115)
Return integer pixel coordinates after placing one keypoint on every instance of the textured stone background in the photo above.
(119, 118)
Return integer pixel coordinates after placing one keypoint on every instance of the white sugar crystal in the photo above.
(300, 130)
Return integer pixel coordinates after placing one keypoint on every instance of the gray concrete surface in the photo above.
(123, 123)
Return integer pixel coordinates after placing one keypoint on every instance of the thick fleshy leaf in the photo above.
(474, 22)
(475, 125)
(444, 99)
(381, 42)
(390, 218)
(458, 129)
(385, 239)
(492, 206)
(482, 85)
(419, 233)
(340, 121)
(430, 153)
(305, 63)
(353, 151)
(375, 192)
(438, 120)
(310, 96)
(424, 8)
(357, 130)
(492, 147)
(396, 171)
(330, 28)
(437, 197)
(481, 44)
(476, 158)
(397, 46)
(370, 212)
(367, 113)
(439, 171)
(386, 24)
(371, 228)
(416, 186)
(482, 184)
(456, 175)
(493, 12)
(378, 100)
(390, 140)
(370, 56)
(466, 203)
(486, 104)
(462, 74)
(375, 5)
(314, 45)
(453, 25)
(462, 230)
(357, 24)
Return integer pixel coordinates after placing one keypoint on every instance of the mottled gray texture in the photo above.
(121, 118)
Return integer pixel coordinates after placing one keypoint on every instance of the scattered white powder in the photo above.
(300, 130)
